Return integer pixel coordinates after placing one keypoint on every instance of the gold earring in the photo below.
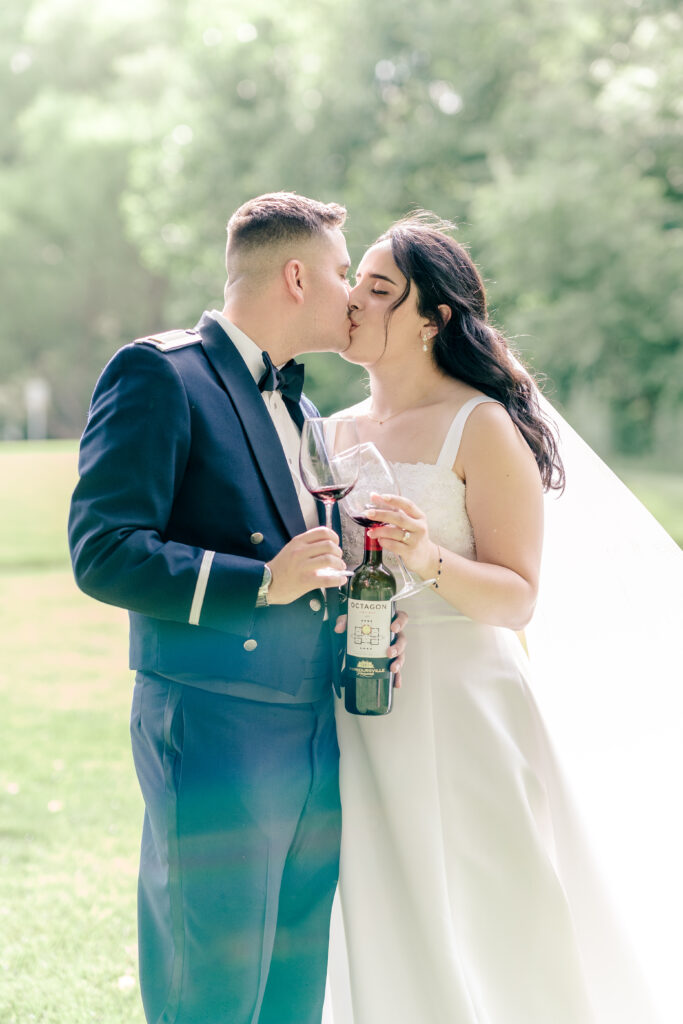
(425, 339)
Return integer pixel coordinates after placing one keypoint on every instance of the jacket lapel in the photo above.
(258, 426)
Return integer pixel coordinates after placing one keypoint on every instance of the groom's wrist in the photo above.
(264, 589)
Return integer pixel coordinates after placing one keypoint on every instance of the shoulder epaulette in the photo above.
(169, 340)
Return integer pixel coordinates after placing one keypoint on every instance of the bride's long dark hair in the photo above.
(467, 347)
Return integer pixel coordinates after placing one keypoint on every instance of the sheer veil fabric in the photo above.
(605, 647)
(605, 670)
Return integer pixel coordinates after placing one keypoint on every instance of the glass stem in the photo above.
(407, 578)
(328, 514)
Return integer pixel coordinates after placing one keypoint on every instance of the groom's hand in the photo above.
(297, 567)
(398, 646)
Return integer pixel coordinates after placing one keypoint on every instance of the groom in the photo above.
(190, 513)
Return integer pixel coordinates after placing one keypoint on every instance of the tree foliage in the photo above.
(549, 131)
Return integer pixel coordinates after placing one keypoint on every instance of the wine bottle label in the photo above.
(369, 628)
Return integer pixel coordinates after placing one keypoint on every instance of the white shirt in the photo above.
(286, 428)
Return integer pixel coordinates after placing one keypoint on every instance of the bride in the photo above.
(468, 890)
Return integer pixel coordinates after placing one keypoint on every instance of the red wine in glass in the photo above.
(329, 462)
(331, 492)
(377, 476)
(365, 521)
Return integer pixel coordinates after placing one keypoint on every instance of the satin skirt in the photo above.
(468, 891)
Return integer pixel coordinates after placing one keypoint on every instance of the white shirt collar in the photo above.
(248, 349)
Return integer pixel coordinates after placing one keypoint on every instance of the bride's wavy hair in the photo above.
(467, 347)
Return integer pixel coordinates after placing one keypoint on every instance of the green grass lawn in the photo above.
(70, 811)
(37, 478)
(661, 493)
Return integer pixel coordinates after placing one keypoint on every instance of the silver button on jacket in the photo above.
(250, 645)
(314, 604)
(256, 538)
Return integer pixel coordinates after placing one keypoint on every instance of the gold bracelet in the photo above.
(435, 584)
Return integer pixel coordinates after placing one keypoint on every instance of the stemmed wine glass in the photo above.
(377, 476)
(329, 463)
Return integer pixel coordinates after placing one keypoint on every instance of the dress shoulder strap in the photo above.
(449, 449)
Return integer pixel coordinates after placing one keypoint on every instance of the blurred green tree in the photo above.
(549, 132)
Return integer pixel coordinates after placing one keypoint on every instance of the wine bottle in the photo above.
(368, 681)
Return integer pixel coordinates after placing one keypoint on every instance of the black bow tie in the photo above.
(289, 380)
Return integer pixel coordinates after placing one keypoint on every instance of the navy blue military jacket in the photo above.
(184, 493)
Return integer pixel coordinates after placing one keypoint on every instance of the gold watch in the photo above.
(262, 595)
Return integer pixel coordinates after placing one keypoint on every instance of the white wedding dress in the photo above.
(468, 889)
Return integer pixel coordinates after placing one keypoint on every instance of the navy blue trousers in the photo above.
(240, 855)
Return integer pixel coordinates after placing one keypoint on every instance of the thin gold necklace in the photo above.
(386, 418)
(373, 419)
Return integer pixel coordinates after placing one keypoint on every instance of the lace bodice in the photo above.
(436, 490)
(440, 494)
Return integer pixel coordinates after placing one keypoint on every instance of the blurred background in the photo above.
(551, 131)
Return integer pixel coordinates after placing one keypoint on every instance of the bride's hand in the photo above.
(404, 532)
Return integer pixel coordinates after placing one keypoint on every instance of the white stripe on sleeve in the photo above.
(200, 589)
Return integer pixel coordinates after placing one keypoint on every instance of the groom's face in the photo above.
(327, 323)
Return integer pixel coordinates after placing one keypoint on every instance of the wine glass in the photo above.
(329, 463)
(377, 476)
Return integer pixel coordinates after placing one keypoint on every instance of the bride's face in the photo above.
(377, 332)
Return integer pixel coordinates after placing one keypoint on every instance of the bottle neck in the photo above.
(373, 550)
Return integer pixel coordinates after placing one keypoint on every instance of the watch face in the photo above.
(265, 584)
(262, 595)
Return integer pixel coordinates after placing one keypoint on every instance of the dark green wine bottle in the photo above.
(368, 682)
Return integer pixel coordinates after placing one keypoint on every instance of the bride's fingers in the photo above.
(395, 666)
(405, 536)
(398, 622)
(399, 502)
(396, 547)
(388, 499)
(397, 537)
(385, 517)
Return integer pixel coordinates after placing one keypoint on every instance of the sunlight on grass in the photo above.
(69, 807)
(70, 810)
(40, 477)
(661, 493)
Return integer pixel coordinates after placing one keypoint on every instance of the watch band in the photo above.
(262, 595)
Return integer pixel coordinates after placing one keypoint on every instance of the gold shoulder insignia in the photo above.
(169, 340)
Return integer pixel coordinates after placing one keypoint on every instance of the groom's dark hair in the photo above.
(279, 217)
